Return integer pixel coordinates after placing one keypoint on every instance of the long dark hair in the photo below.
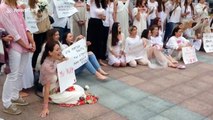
(176, 29)
(191, 5)
(161, 6)
(138, 3)
(65, 37)
(101, 3)
(32, 4)
(50, 34)
(49, 47)
(145, 34)
(115, 33)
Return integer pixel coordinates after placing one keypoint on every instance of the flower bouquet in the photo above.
(42, 4)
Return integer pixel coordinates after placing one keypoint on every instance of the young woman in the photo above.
(188, 11)
(22, 44)
(133, 46)
(92, 64)
(79, 19)
(43, 24)
(74, 95)
(176, 43)
(97, 35)
(140, 14)
(201, 9)
(115, 46)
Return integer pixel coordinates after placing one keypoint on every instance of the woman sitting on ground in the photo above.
(115, 46)
(74, 95)
(92, 64)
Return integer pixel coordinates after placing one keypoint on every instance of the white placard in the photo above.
(64, 8)
(208, 42)
(134, 52)
(30, 21)
(189, 55)
(1, 47)
(77, 53)
(66, 74)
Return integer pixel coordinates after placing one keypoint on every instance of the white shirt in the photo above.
(176, 15)
(94, 11)
(153, 7)
(175, 42)
(157, 40)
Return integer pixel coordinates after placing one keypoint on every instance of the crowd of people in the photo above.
(118, 33)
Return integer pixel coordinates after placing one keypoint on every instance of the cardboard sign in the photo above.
(189, 55)
(66, 74)
(77, 53)
(30, 21)
(208, 42)
(64, 8)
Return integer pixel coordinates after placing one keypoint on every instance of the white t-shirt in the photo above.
(176, 15)
(94, 11)
(153, 7)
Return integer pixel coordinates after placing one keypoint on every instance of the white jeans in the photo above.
(13, 83)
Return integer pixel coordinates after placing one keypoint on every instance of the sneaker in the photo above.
(13, 110)
(20, 101)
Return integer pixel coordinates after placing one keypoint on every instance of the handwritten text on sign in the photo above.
(65, 8)
(77, 53)
(66, 74)
(208, 42)
(189, 55)
(30, 21)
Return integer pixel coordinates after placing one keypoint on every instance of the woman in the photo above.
(22, 44)
(96, 35)
(74, 95)
(140, 14)
(92, 64)
(176, 43)
(79, 19)
(201, 9)
(134, 49)
(43, 24)
(188, 11)
(115, 46)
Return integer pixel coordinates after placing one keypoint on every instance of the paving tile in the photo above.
(178, 113)
(116, 74)
(186, 90)
(150, 87)
(115, 85)
(110, 116)
(206, 97)
(131, 80)
(132, 94)
(92, 111)
(198, 84)
(113, 101)
(155, 104)
(99, 90)
(165, 82)
(145, 75)
(172, 96)
(197, 106)
(158, 117)
(129, 70)
(135, 112)
(207, 78)
(177, 77)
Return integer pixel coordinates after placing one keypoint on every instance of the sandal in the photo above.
(181, 67)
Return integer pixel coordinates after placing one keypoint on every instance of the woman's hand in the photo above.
(44, 112)
(7, 38)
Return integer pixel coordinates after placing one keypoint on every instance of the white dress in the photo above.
(142, 24)
(116, 49)
(123, 17)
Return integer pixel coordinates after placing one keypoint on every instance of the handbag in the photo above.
(44, 25)
(51, 19)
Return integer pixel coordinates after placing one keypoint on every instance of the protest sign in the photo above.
(64, 8)
(77, 53)
(30, 21)
(189, 55)
(208, 42)
(66, 74)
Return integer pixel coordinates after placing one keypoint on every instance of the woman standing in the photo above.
(13, 22)
(188, 11)
(96, 30)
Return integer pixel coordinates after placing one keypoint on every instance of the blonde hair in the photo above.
(11, 3)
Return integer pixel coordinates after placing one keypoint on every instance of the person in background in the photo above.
(20, 47)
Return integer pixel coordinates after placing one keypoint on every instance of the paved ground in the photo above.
(138, 94)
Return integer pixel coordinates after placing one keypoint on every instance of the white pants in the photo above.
(13, 83)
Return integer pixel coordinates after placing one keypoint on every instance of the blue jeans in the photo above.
(91, 65)
(168, 32)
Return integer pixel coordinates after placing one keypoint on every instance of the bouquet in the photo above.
(42, 4)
